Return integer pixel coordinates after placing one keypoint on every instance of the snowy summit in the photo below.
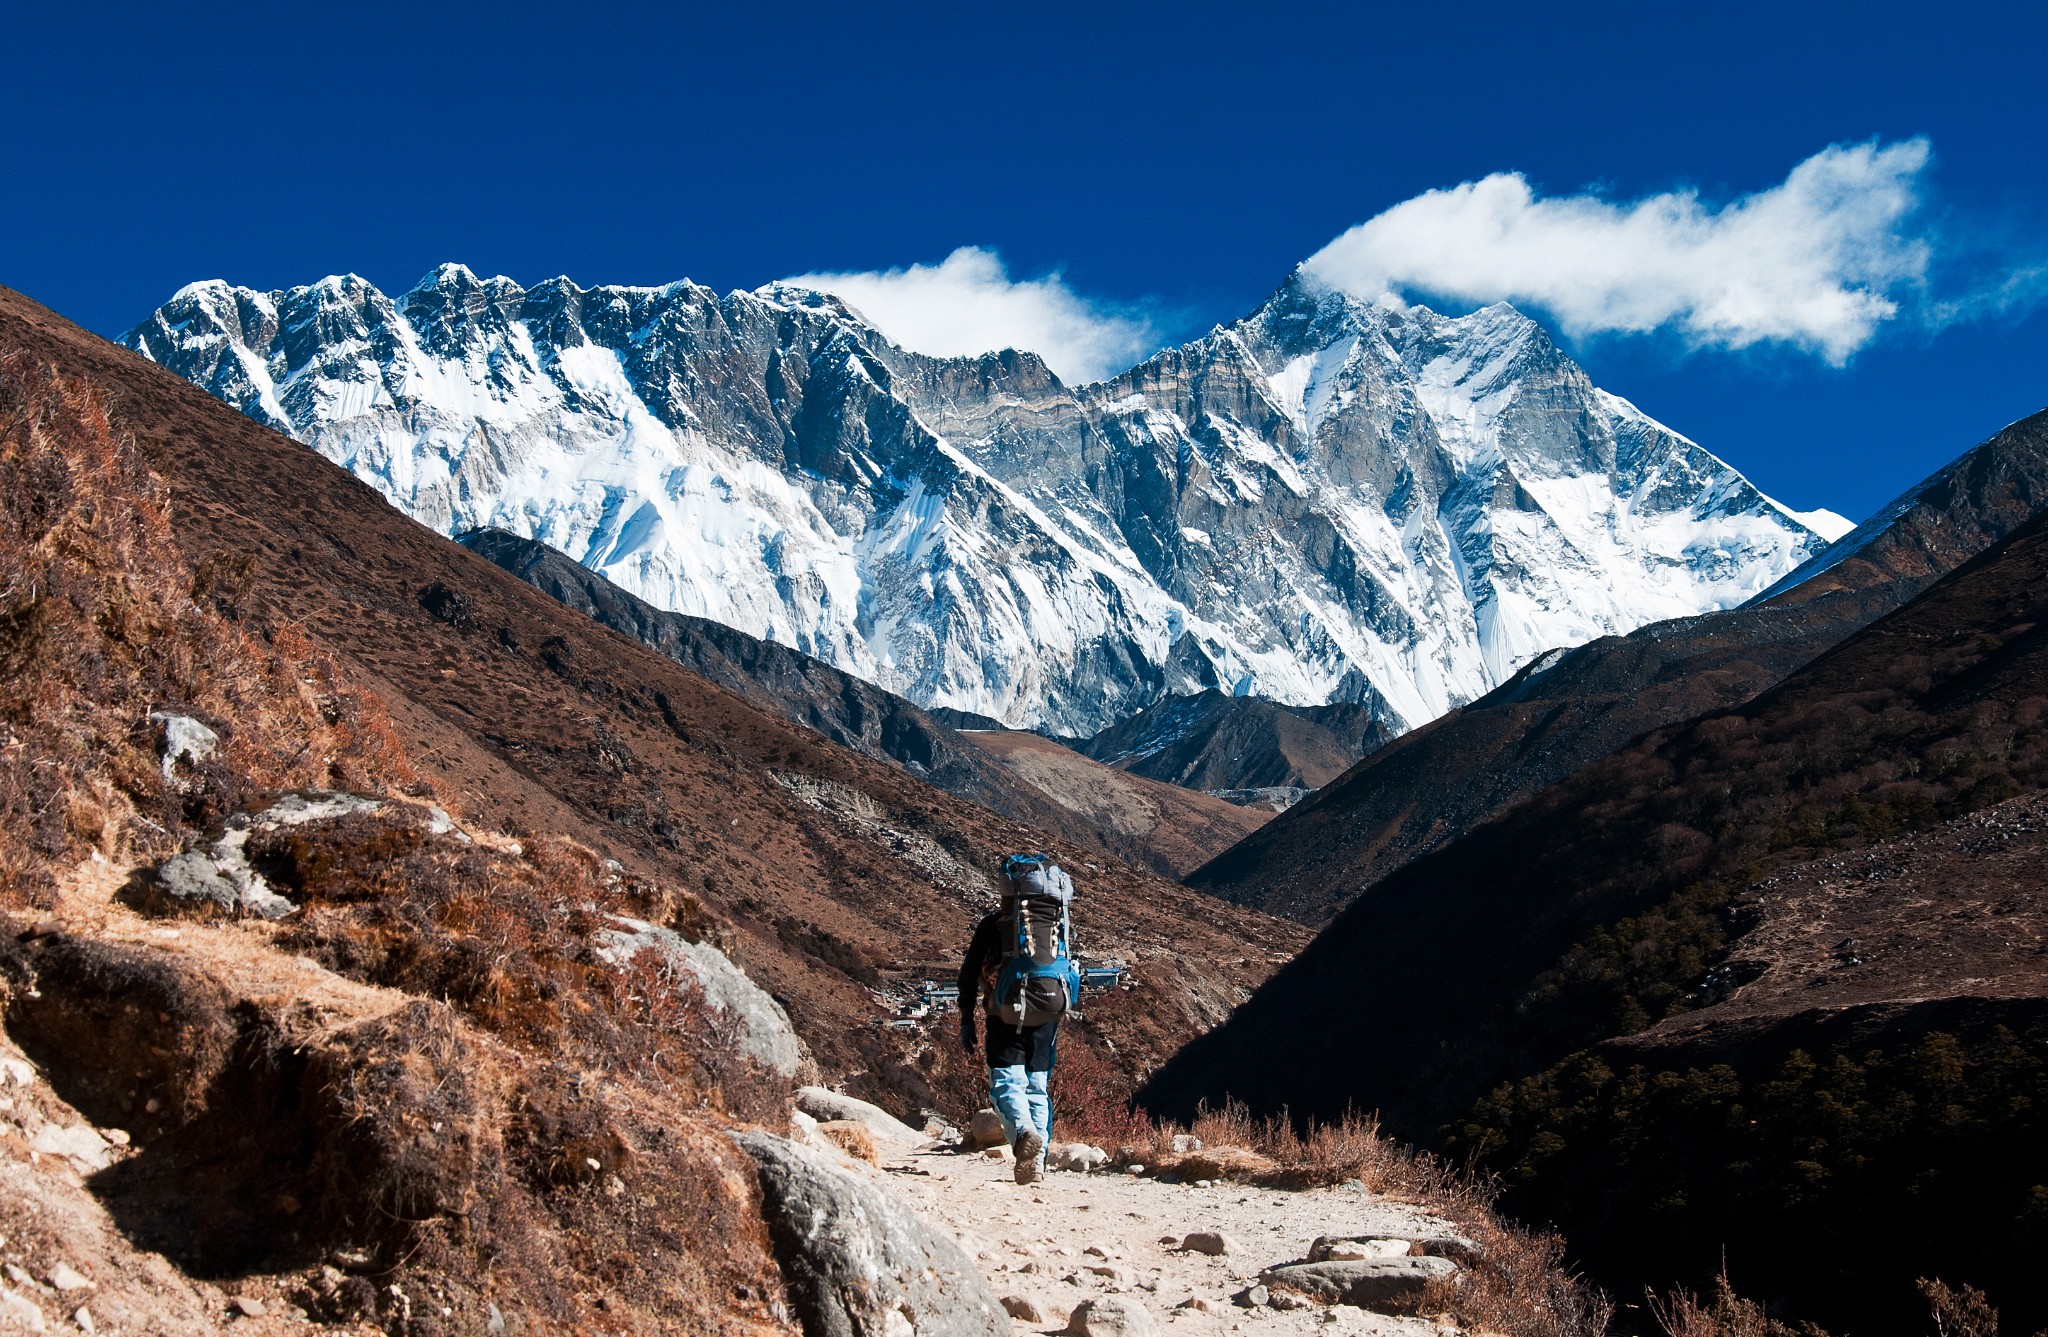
(1327, 500)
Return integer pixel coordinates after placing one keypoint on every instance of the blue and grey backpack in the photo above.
(1039, 981)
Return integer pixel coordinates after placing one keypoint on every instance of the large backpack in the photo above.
(1038, 980)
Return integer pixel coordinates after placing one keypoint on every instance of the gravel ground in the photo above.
(1034, 1241)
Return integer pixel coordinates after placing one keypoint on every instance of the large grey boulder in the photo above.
(827, 1106)
(765, 1034)
(1386, 1285)
(858, 1259)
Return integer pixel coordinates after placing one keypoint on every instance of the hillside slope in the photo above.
(1618, 902)
(1229, 744)
(1433, 785)
(1152, 827)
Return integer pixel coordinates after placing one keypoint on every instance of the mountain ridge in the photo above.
(1325, 501)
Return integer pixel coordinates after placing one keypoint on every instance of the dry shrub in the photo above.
(1683, 1314)
(1964, 1313)
(1516, 1284)
(99, 627)
(1519, 1284)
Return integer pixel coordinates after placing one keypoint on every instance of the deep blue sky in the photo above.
(1184, 154)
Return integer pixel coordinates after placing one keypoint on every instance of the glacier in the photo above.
(1327, 500)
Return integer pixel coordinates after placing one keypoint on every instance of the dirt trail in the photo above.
(1048, 1228)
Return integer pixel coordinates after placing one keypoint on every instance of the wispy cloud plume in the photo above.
(968, 304)
(1820, 261)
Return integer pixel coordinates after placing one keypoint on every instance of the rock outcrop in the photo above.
(859, 1261)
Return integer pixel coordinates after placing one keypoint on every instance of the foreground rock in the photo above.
(859, 1261)
(1385, 1285)
(1110, 1316)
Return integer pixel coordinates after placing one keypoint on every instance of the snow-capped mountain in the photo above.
(1327, 500)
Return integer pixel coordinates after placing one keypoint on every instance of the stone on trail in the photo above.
(985, 1129)
(997, 1153)
(1212, 1242)
(1110, 1316)
(1024, 1309)
(68, 1278)
(1356, 1249)
(1076, 1156)
(1384, 1285)
(1252, 1297)
(859, 1259)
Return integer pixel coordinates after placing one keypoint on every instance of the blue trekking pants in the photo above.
(1023, 1101)
(1020, 1062)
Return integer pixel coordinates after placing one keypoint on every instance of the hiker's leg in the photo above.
(1038, 1095)
(1007, 1092)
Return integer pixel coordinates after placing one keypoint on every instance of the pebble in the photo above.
(68, 1278)
(1253, 1296)
(1212, 1242)
(248, 1306)
(83, 1318)
(1134, 1169)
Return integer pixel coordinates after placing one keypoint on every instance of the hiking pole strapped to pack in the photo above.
(1039, 982)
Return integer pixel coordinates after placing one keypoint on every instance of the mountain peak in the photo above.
(1330, 499)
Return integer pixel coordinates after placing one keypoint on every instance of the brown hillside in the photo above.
(1145, 825)
(830, 868)
(1144, 819)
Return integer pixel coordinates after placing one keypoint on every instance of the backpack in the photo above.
(1038, 982)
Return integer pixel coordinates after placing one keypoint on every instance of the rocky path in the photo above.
(1073, 1237)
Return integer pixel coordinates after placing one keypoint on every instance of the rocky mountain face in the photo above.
(1150, 825)
(1569, 708)
(1248, 750)
(1761, 990)
(1325, 501)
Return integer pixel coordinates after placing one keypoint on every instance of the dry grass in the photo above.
(1516, 1283)
(540, 1130)
(100, 624)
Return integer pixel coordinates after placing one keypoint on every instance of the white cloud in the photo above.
(968, 305)
(1819, 261)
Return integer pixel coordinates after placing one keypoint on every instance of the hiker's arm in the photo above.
(970, 977)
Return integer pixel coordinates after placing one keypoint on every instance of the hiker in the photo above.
(1020, 968)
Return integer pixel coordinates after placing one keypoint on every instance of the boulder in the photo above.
(985, 1129)
(184, 739)
(1076, 1156)
(764, 1032)
(858, 1260)
(827, 1106)
(1110, 1316)
(1384, 1285)
(1212, 1242)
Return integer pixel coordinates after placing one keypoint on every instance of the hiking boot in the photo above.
(1030, 1146)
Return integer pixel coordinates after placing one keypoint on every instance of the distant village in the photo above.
(916, 991)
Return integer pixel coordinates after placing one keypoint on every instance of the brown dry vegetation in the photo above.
(1516, 1281)
(555, 1155)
